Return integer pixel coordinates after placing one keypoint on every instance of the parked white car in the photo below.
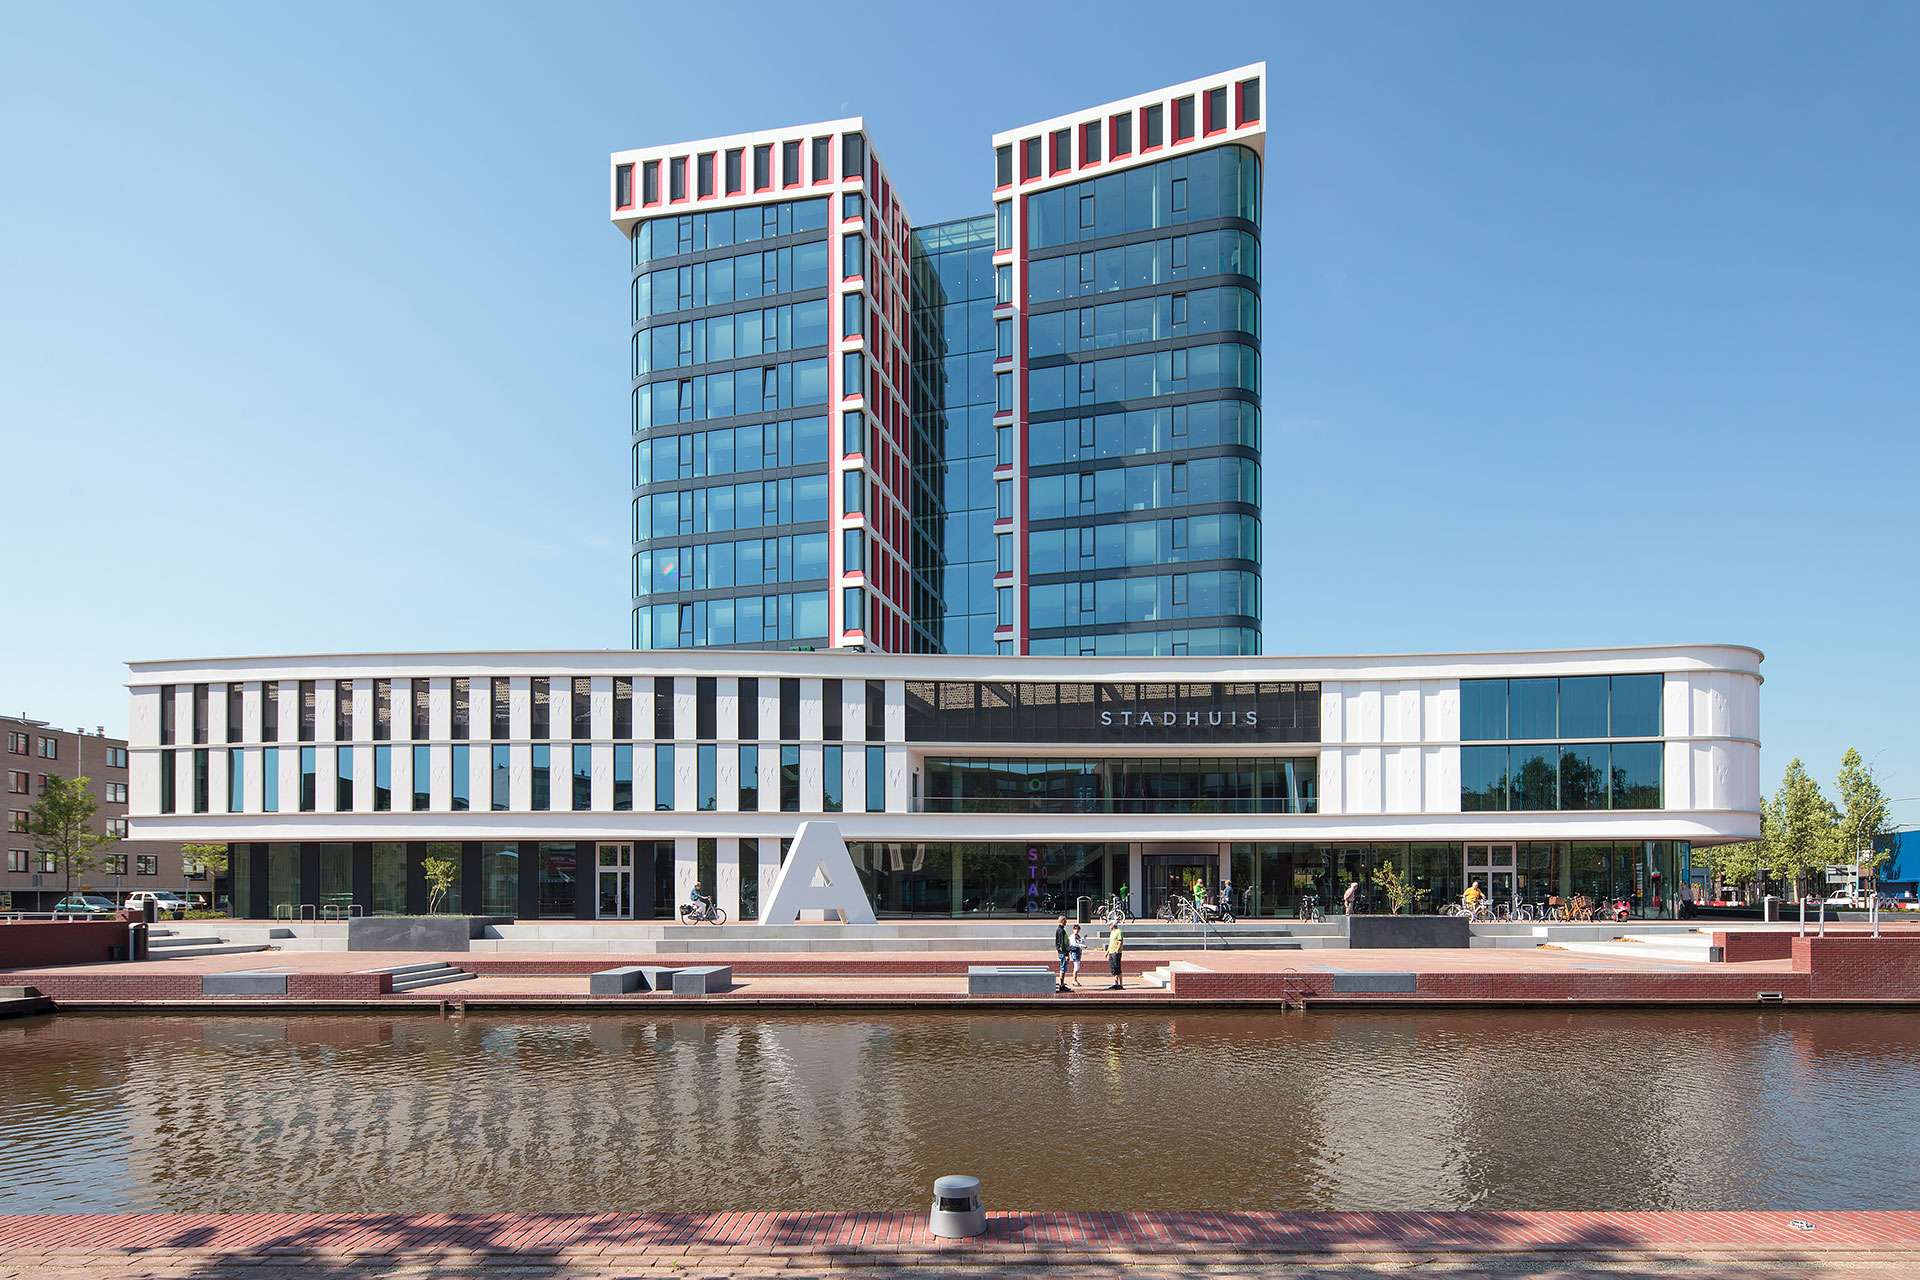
(170, 905)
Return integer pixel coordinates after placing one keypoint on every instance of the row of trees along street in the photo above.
(1802, 833)
(61, 825)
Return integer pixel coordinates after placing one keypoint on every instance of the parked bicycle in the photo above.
(1310, 908)
(1114, 910)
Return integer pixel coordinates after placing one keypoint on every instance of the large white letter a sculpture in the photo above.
(818, 876)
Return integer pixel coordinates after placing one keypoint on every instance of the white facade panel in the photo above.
(602, 775)
(143, 718)
(810, 723)
(324, 698)
(1402, 777)
(1361, 770)
(519, 711)
(896, 712)
(899, 778)
(1440, 777)
(1362, 712)
(812, 792)
(402, 792)
(520, 772)
(686, 771)
(1331, 705)
(602, 711)
(685, 708)
(1400, 707)
(727, 714)
(1332, 782)
(726, 885)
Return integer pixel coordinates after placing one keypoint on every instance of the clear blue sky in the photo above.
(1585, 324)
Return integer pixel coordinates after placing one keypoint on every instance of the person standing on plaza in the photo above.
(1116, 941)
(1351, 896)
(1076, 946)
(1060, 946)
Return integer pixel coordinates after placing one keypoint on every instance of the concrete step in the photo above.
(156, 952)
(427, 973)
(157, 939)
(433, 980)
(1696, 949)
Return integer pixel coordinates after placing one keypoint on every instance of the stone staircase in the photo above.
(1692, 947)
(1162, 978)
(170, 944)
(412, 977)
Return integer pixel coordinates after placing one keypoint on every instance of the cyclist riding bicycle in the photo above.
(1472, 896)
(698, 903)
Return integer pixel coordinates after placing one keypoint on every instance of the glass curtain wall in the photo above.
(730, 429)
(954, 447)
(966, 879)
(389, 880)
(1273, 879)
(1143, 409)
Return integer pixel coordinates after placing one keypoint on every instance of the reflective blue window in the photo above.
(542, 777)
(623, 777)
(462, 777)
(1583, 775)
(1637, 773)
(502, 777)
(663, 776)
(1583, 708)
(1533, 777)
(1533, 709)
(582, 776)
(876, 779)
(1636, 708)
(1483, 779)
(382, 779)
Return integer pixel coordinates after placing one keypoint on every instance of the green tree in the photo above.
(1798, 828)
(213, 859)
(1398, 890)
(440, 873)
(1866, 819)
(1735, 865)
(62, 825)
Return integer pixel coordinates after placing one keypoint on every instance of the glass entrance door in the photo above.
(1491, 867)
(616, 882)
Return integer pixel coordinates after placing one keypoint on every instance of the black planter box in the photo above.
(418, 933)
(1407, 931)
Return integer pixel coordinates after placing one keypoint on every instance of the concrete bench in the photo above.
(702, 980)
(614, 982)
(655, 977)
(1010, 980)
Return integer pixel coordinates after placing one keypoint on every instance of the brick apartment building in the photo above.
(32, 752)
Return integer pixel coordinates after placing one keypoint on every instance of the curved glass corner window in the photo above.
(1545, 708)
(1637, 774)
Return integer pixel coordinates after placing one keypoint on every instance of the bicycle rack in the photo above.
(283, 911)
(309, 912)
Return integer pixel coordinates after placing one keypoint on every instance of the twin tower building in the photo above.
(949, 534)
(1033, 431)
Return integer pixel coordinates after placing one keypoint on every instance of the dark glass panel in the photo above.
(1533, 710)
(1534, 778)
(1583, 776)
(1483, 779)
(1636, 706)
(1637, 775)
(1583, 706)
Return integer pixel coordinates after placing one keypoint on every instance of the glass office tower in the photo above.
(955, 445)
(1031, 432)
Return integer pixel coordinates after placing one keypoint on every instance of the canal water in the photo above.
(1617, 1109)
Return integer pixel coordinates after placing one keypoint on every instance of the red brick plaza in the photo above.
(1471, 1243)
(1761, 965)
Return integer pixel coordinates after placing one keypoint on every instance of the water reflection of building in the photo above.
(576, 785)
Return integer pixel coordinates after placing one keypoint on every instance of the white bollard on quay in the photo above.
(956, 1208)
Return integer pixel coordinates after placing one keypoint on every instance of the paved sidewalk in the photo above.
(596, 1246)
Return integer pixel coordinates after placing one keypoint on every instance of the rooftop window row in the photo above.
(768, 166)
(1141, 130)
